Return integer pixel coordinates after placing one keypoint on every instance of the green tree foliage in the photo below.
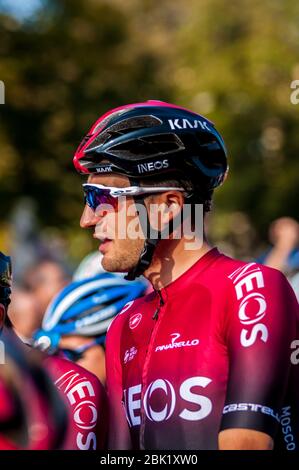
(232, 61)
(62, 70)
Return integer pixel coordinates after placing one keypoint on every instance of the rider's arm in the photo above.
(244, 439)
(261, 323)
(119, 435)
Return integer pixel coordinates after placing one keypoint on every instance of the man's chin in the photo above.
(113, 265)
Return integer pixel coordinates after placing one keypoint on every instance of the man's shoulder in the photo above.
(234, 269)
(128, 310)
(64, 371)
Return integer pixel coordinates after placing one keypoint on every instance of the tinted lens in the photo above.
(72, 354)
(94, 197)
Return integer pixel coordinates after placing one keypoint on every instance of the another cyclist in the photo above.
(76, 321)
(83, 394)
(32, 414)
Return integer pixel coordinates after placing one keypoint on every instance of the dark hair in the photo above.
(5, 302)
(196, 195)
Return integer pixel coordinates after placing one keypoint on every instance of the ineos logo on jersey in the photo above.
(77, 388)
(253, 305)
(130, 354)
(152, 166)
(174, 344)
(172, 401)
(86, 415)
(168, 389)
(185, 124)
(135, 320)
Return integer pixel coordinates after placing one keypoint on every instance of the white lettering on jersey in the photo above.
(177, 344)
(132, 401)
(77, 388)
(247, 280)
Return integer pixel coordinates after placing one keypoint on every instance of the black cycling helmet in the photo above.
(155, 138)
(152, 138)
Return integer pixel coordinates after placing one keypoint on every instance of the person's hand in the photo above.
(284, 233)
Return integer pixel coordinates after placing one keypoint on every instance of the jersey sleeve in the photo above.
(86, 401)
(261, 325)
(118, 434)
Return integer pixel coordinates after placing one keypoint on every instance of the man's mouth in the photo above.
(105, 241)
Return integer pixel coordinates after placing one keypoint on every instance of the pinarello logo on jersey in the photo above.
(130, 354)
(177, 344)
(135, 320)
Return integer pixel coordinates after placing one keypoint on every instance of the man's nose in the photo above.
(88, 217)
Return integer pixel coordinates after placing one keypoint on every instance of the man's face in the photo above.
(119, 254)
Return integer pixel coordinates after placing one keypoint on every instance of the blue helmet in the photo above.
(86, 308)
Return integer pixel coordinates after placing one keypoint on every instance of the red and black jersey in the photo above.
(211, 351)
(85, 398)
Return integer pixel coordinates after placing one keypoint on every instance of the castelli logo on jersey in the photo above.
(186, 124)
(177, 344)
(152, 166)
(135, 320)
(252, 303)
(172, 400)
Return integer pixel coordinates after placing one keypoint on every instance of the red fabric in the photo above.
(86, 400)
(216, 356)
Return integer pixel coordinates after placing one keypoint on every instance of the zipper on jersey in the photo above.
(161, 303)
(158, 319)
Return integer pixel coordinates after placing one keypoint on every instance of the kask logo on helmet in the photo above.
(104, 169)
(172, 400)
(186, 124)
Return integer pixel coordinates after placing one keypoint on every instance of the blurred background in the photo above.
(66, 62)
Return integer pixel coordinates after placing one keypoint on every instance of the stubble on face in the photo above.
(123, 253)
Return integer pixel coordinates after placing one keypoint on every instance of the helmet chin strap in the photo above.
(149, 246)
(152, 238)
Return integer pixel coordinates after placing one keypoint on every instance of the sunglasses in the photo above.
(75, 354)
(97, 194)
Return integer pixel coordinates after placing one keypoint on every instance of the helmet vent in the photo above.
(148, 146)
(122, 128)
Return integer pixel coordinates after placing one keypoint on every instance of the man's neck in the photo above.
(171, 259)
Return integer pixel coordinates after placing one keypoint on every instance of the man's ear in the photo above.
(174, 201)
(2, 316)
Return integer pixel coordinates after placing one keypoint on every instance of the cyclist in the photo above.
(204, 361)
(32, 415)
(76, 321)
(82, 392)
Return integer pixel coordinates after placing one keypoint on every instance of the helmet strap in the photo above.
(152, 238)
